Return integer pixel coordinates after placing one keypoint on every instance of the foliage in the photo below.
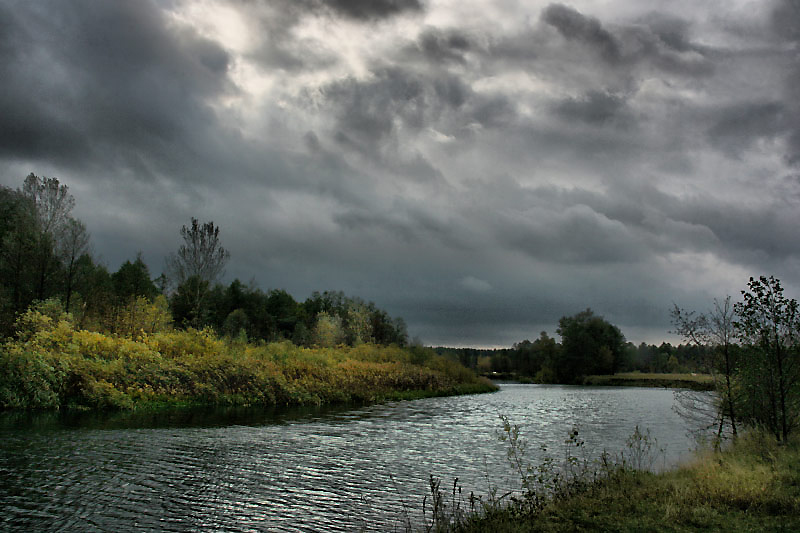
(769, 327)
(589, 345)
(52, 364)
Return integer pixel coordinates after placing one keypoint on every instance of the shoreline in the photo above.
(625, 379)
(750, 486)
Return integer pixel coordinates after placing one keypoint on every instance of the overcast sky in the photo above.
(480, 168)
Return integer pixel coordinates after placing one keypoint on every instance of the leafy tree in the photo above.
(530, 358)
(39, 245)
(589, 345)
(283, 310)
(358, 328)
(187, 303)
(52, 205)
(74, 244)
(142, 315)
(328, 331)
(17, 240)
(95, 300)
(769, 326)
(132, 280)
(235, 323)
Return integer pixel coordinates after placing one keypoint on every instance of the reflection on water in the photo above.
(334, 469)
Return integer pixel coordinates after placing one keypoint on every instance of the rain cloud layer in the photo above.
(480, 168)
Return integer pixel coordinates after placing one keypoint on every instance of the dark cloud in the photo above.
(737, 127)
(368, 112)
(371, 113)
(105, 81)
(786, 19)
(373, 9)
(441, 46)
(657, 41)
(596, 108)
(572, 25)
(480, 179)
(672, 31)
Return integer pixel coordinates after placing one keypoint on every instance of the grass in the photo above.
(638, 379)
(752, 486)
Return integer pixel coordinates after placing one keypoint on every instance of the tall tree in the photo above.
(52, 205)
(74, 244)
(199, 262)
(17, 244)
(201, 254)
(769, 326)
(133, 280)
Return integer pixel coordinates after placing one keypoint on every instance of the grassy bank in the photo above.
(52, 365)
(752, 486)
(637, 379)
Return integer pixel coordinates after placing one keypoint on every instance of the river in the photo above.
(325, 469)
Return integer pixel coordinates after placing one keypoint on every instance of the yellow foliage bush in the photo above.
(51, 364)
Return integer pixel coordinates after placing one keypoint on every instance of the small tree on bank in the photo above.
(769, 327)
(714, 329)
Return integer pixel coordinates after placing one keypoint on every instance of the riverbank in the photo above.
(753, 486)
(637, 379)
(692, 381)
(55, 366)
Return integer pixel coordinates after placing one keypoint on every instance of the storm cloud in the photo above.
(479, 168)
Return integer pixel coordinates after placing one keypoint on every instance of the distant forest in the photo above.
(589, 345)
(45, 254)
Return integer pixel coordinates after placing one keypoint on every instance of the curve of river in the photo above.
(331, 469)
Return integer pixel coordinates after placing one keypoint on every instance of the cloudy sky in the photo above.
(480, 168)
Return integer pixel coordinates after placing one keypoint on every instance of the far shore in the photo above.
(694, 381)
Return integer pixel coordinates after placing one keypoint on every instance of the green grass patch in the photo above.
(637, 379)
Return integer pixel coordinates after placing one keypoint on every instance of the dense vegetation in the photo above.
(79, 336)
(52, 364)
(45, 254)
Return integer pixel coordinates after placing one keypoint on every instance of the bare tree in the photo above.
(714, 329)
(201, 255)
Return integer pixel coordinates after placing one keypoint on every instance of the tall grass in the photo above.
(754, 485)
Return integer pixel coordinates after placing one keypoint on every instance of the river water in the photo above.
(327, 469)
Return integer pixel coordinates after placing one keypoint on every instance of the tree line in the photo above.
(589, 345)
(45, 254)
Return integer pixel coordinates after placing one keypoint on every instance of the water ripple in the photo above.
(333, 470)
